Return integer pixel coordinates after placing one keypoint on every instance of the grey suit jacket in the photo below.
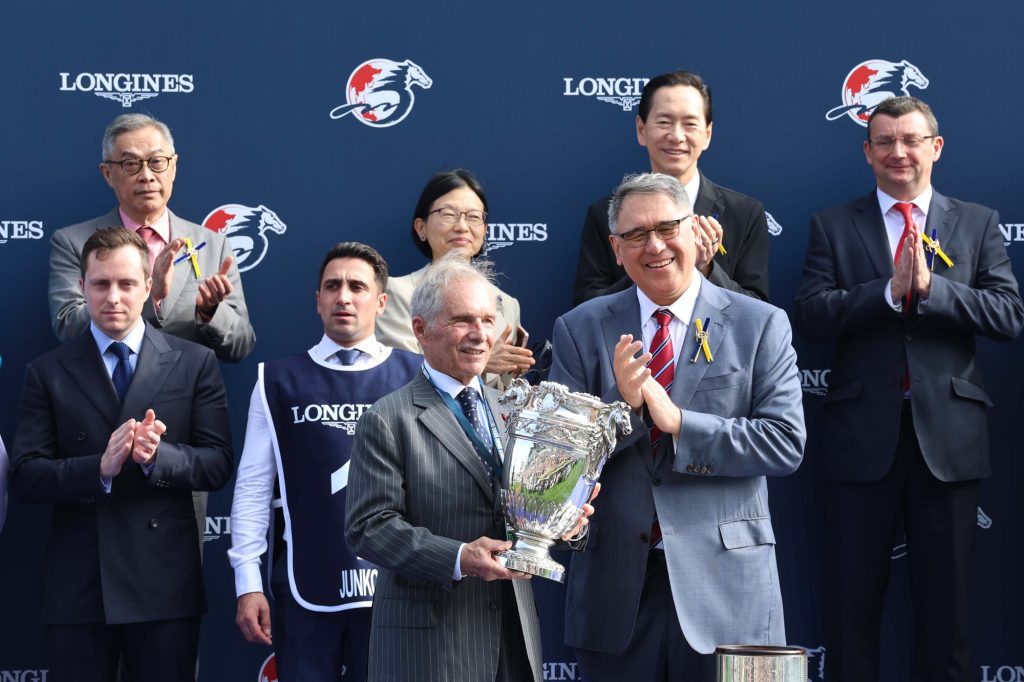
(416, 491)
(228, 332)
(742, 419)
(842, 299)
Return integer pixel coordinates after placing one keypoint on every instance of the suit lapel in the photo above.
(942, 218)
(709, 202)
(439, 421)
(183, 271)
(84, 365)
(622, 317)
(867, 221)
(156, 359)
(711, 303)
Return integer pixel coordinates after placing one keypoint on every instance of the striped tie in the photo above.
(663, 359)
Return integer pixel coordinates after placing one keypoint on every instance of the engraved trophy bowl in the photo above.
(558, 442)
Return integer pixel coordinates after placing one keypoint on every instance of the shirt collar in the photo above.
(921, 201)
(450, 385)
(328, 347)
(692, 187)
(162, 225)
(681, 308)
(133, 340)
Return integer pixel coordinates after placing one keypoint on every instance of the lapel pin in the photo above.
(702, 340)
(190, 254)
(934, 249)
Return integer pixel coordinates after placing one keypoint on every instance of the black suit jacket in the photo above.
(842, 299)
(744, 268)
(131, 555)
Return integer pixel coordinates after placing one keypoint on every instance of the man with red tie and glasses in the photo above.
(680, 557)
(903, 280)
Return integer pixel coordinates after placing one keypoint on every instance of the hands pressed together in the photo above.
(638, 387)
(212, 290)
(138, 439)
(911, 274)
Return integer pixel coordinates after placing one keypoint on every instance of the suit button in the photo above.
(153, 523)
(704, 469)
(690, 468)
(494, 606)
(80, 435)
(645, 538)
(656, 480)
(711, 468)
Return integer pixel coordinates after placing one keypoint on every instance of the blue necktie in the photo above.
(122, 376)
(468, 400)
(348, 356)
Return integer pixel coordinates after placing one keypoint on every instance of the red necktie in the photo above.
(907, 209)
(663, 359)
(663, 369)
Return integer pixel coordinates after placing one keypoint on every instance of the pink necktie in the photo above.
(153, 241)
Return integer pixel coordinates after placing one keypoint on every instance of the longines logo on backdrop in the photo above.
(379, 92)
(214, 528)
(38, 675)
(815, 381)
(20, 229)
(1012, 232)
(774, 227)
(127, 88)
(500, 235)
(1002, 673)
(245, 227)
(561, 671)
(872, 82)
(622, 92)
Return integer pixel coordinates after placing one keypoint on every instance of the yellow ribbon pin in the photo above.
(702, 338)
(933, 246)
(721, 249)
(190, 252)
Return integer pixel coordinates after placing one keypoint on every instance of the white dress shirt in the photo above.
(257, 469)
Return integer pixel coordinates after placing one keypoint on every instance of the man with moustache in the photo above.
(680, 557)
(302, 418)
(906, 432)
(422, 505)
(116, 428)
(674, 125)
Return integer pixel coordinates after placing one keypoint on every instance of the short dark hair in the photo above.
(672, 78)
(901, 106)
(108, 239)
(437, 187)
(363, 253)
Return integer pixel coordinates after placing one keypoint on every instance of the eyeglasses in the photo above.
(157, 164)
(885, 143)
(666, 231)
(449, 216)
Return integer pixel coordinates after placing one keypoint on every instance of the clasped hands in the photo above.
(638, 388)
(508, 358)
(708, 236)
(911, 274)
(212, 290)
(138, 439)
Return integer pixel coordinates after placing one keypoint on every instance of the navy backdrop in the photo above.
(512, 91)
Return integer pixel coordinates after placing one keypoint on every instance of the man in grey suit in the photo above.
(905, 437)
(139, 164)
(681, 552)
(425, 468)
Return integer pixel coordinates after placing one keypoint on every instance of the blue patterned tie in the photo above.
(122, 376)
(348, 356)
(468, 400)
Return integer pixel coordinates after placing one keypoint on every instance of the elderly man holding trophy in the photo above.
(680, 557)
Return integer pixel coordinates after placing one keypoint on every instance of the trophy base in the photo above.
(541, 566)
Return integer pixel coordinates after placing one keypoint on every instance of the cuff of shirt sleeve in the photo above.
(457, 573)
(248, 578)
(107, 483)
(898, 307)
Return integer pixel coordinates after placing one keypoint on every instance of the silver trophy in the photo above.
(558, 442)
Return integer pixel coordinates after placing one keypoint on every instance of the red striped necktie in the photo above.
(663, 359)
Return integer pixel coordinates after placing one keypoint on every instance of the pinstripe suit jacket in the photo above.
(417, 490)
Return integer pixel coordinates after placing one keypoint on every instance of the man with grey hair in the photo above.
(680, 557)
(203, 302)
(903, 281)
(422, 503)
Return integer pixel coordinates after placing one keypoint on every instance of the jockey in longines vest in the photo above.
(313, 409)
